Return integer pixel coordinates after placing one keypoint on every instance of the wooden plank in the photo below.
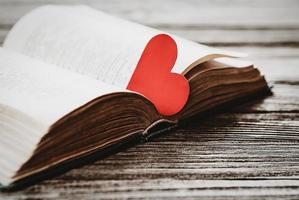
(3, 34)
(227, 155)
(255, 13)
(234, 27)
(278, 64)
(160, 188)
(285, 98)
(201, 21)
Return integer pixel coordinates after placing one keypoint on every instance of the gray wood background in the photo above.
(249, 152)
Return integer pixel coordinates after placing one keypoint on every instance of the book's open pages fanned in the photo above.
(63, 77)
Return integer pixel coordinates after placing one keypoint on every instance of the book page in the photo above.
(42, 91)
(95, 44)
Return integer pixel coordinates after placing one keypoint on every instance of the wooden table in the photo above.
(249, 152)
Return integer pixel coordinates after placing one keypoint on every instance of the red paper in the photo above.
(153, 77)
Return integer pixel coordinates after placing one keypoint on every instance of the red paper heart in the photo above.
(153, 77)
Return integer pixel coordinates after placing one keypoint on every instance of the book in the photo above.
(64, 75)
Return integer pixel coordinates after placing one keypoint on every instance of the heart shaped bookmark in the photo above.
(153, 78)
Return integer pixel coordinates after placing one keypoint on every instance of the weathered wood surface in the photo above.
(249, 152)
(266, 22)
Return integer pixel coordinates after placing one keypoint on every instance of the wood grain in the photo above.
(216, 13)
(227, 155)
(249, 152)
(237, 22)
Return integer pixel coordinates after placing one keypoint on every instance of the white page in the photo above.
(42, 91)
(93, 43)
(19, 136)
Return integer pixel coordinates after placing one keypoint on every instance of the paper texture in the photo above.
(43, 91)
(19, 136)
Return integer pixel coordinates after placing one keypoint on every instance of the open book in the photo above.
(64, 71)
